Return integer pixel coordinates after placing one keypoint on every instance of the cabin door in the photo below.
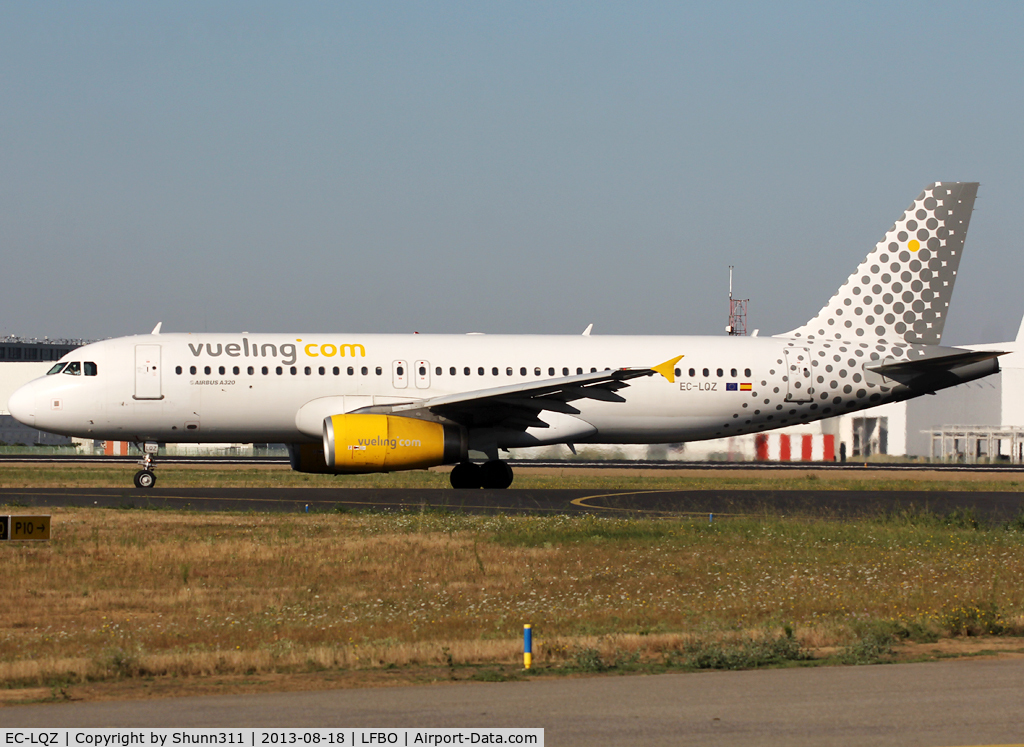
(147, 372)
(799, 384)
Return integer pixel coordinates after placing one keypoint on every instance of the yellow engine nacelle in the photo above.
(385, 443)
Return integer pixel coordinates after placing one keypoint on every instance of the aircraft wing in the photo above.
(517, 405)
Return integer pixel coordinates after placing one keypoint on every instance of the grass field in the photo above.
(133, 594)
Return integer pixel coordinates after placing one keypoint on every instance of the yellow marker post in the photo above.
(527, 646)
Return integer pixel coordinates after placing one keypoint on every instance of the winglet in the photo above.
(156, 329)
(667, 369)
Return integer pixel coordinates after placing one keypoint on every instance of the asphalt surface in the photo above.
(986, 506)
(962, 702)
(568, 464)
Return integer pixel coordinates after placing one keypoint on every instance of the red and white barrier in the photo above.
(782, 447)
(115, 448)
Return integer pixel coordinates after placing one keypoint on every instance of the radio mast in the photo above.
(737, 312)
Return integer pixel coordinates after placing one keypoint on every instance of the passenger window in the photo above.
(423, 370)
(565, 372)
(74, 369)
(594, 370)
(693, 372)
(350, 371)
(400, 371)
(732, 372)
(536, 371)
(89, 368)
(293, 370)
(308, 371)
(465, 371)
(206, 370)
(480, 371)
(177, 370)
(236, 370)
(221, 370)
(60, 366)
(678, 372)
(551, 371)
(452, 370)
(192, 370)
(364, 371)
(508, 371)
(336, 371)
(265, 370)
(522, 371)
(321, 370)
(746, 372)
(706, 372)
(719, 372)
(250, 370)
(279, 370)
(378, 370)
(494, 371)
(437, 370)
(579, 371)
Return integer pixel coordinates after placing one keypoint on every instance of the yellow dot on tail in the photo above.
(914, 245)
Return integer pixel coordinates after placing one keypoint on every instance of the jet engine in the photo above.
(386, 443)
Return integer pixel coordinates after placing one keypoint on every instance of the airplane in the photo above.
(360, 403)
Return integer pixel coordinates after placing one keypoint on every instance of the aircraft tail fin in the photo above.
(901, 291)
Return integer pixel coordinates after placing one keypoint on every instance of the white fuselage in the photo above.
(255, 387)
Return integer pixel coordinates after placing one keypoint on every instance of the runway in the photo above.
(646, 465)
(961, 702)
(706, 504)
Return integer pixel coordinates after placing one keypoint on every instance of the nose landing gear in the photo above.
(493, 475)
(145, 478)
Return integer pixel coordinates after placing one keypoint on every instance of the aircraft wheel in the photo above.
(496, 475)
(144, 478)
(465, 475)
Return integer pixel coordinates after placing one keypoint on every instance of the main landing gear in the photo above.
(493, 475)
(145, 478)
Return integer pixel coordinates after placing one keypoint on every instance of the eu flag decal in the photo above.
(731, 386)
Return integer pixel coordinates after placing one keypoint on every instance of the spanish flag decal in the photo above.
(745, 387)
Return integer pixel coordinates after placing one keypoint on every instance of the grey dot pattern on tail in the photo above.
(901, 291)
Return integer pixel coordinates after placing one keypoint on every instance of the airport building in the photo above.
(21, 361)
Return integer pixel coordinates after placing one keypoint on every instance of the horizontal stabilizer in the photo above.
(933, 364)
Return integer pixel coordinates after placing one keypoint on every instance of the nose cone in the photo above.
(22, 406)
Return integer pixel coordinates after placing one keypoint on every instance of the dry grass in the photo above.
(118, 593)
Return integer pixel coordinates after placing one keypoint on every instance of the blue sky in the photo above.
(496, 167)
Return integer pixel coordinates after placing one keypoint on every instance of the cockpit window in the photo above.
(90, 368)
(56, 369)
(74, 369)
